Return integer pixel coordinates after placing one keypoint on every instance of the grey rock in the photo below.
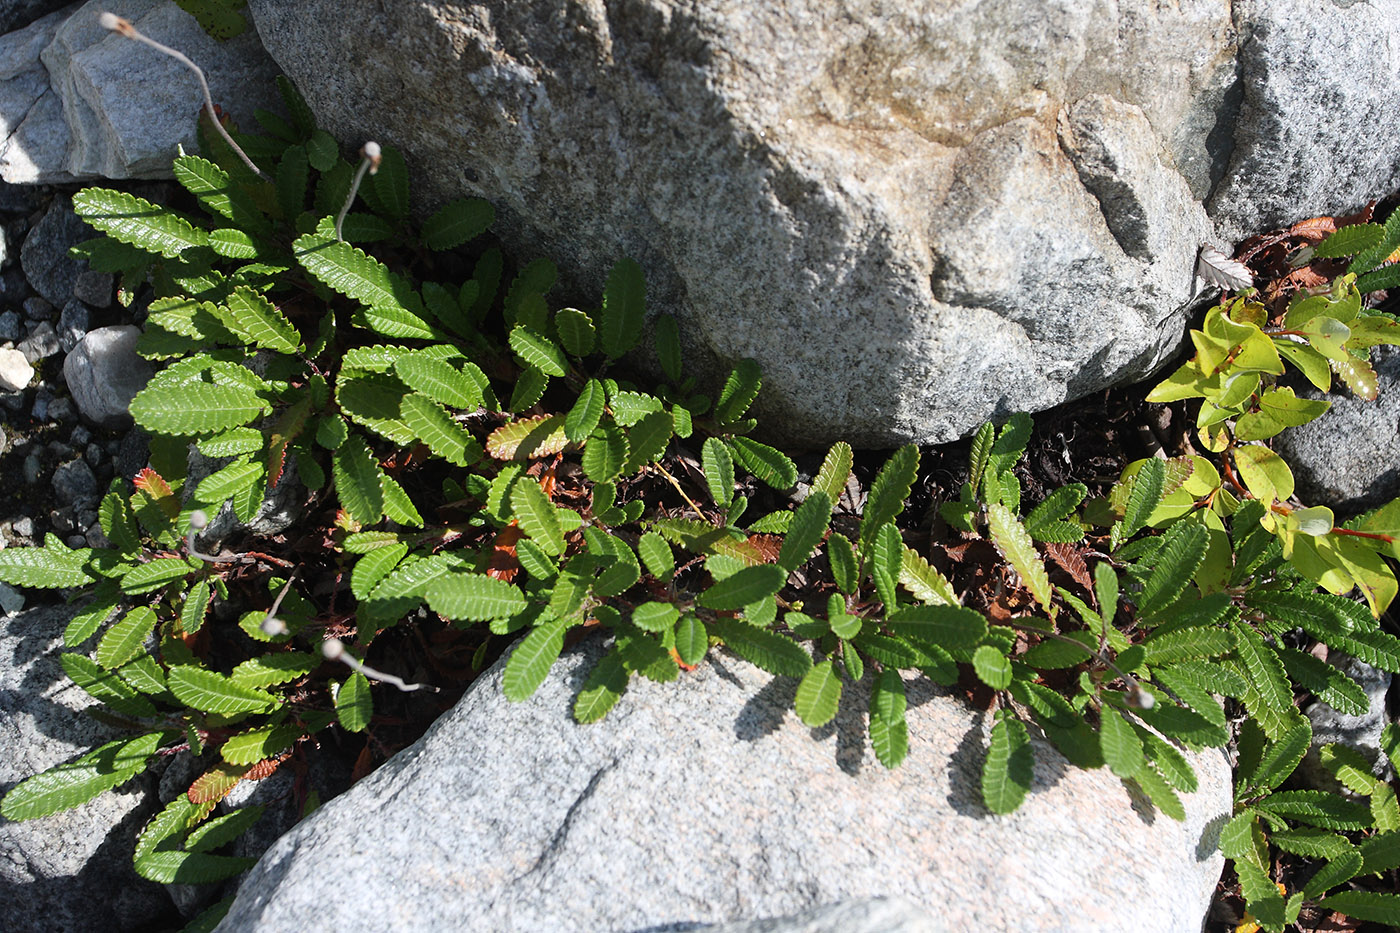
(75, 483)
(39, 411)
(37, 309)
(282, 504)
(15, 14)
(872, 915)
(899, 211)
(94, 288)
(116, 108)
(131, 454)
(11, 599)
(79, 436)
(1349, 458)
(732, 810)
(50, 269)
(96, 538)
(23, 526)
(9, 325)
(61, 409)
(14, 401)
(70, 870)
(94, 454)
(1362, 733)
(15, 371)
(29, 110)
(73, 323)
(76, 541)
(104, 374)
(41, 343)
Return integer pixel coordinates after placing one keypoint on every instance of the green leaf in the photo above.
(439, 430)
(583, 417)
(261, 323)
(1186, 644)
(353, 704)
(842, 555)
(271, 669)
(152, 575)
(718, 467)
(1019, 550)
(213, 693)
(195, 408)
(357, 480)
(1181, 555)
(1144, 497)
(398, 507)
(889, 732)
(348, 270)
(105, 686)
(1122, 749)
(387, 189)
(575, 330)
(1046, 517)
(1348, 241)
(886, 557)
(1265, 670)
(1380, 852)
(656, 554)
(692, 641)
(604, 687)
(945, 626)
(739, 391)
(1009, 767)
(655, 617)
(537, 516)
(925, 583)
(255, 745)
(767, 463)
(527, 438)
(606, 453)
(993, 668)
(136, 221)
(1375, 906)
(473, 597)
(667, 337)
(233, 244)
(1161, 793)
(818, 695)
(648, 440)
(218, 487)
(774, 653)
(540, 352)
(69, 785)
(126, 639)
(52, 566)
(396, 322)
(624, 309)
(809, 523)
(529, 663)
(439, 380)
(1317, 808)
(835, 471)
(888, 492)
(743, 588)
(457, 222)
(1279, 760)
(1277, 409)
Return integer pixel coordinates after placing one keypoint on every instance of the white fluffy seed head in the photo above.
(1141, 699)
(115, 23)
(371, 151)
(198, 519)
(273, 626)
(332, 648)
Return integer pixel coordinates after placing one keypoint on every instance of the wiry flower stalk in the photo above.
(334, 650)
(369, 162)
(124, 27)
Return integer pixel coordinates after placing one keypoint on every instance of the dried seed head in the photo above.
(273, 626)
(371, 151)
(1139, 698)
(332, 648)
(115, 23)
(198, 519)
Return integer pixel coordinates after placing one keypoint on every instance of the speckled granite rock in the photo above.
(707, 801)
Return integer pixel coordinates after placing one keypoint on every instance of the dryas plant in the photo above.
(468, 451)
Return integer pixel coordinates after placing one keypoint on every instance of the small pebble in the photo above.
(96, 538)
(40, 411)
(61, 409)
(38, 309)
(76, 541)
(15, 373)
(62, 521)
(40, 345)
(14, 401)
(10, 323)
(94, 455)
(73, 323)
(23, 526)
(94, 287)
(11, 599)
(80, 437)
(74, 482)
(33, 469)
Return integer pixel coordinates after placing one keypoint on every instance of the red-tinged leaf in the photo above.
(265, 768)
(526, 438)
(152, 484)
(767, 546)
(1069, 557)
(215, 784)
(504, 563)
(1315, 229)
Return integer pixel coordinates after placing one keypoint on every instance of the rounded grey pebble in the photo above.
(94, 455)
(63, 521)
(73, 323)
(33, 469)
(61, 409)
(23, 526)
(80, 437)
(76, 541)
(74, 481)
(37, 308)
(94, 288)
(95, 538)
(10, 326)
(14, 401)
